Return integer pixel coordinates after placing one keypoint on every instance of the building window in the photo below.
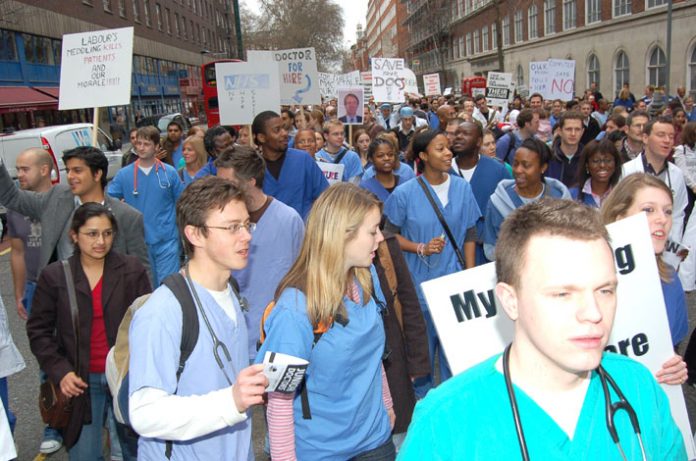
(484, 38)
(477, 42)
(158, 15)
(168, 20)
(183, 28)
(122, 8)
(520, 76)
(692, 72)
(8, 48)
(621, 71)
(38, 50)
(549, 17)
(506, 30)
(654, 3)
(622, 7)
(657, 75)
(462, 51)
(146, 12)
(468, 44)
(107, 5)
(494, 36)
(519, 27)
(569, 14)
(593, 70)
(136, 11)
(593, 9)
(532, 22)
(176, 25)
(454, 49)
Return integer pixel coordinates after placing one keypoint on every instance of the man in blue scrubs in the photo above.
(292, 176)
(557, 282)
(152, 187)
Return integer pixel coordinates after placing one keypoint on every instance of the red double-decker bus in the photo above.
(210, 98)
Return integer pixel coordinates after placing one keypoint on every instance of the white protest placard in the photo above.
(388, 79)
(562, 79)
(448, 91)
(410, 83)
(366, 83)
(333, 172)
(348, 80)
(539, 77)
(499, 88)
(431, 84)
(96, 69)
(297, 74)
(330, 83)
(246, 89)
(472, 326)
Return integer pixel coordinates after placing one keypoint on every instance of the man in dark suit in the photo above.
(86, 171)
(351, 103)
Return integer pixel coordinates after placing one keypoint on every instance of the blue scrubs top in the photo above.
(157, 193)
(351, 160)
(344, 377)
(469, 417)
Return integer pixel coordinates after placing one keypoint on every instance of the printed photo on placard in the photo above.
(350, 106)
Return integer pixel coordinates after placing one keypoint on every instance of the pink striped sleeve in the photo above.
(386, 394)
(281, 426)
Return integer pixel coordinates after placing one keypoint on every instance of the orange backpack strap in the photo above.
(387, 263)
(266, 312)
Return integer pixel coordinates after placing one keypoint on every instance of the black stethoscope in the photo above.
(158, 165)
(610, 408)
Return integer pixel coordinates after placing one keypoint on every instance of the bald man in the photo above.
(445, 113)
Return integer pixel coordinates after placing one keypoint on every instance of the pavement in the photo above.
(24, 386)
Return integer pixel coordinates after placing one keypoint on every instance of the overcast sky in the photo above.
(354, 12)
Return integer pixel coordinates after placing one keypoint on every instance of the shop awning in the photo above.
(24, 98)
(49, 90)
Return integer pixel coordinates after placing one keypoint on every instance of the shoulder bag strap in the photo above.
(457, 251)
(341, 153)
(72, 298)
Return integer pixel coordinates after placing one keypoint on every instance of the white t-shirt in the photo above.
(442, 191)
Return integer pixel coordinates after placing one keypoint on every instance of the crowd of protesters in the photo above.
(276, 261)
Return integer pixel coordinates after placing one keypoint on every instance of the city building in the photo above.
(612, 41)
(173, 38)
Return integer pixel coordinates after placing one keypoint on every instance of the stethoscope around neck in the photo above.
(610, 409)
(158, 164)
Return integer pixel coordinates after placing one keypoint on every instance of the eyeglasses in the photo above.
(602, 161)
(94, 235)
(235, 228)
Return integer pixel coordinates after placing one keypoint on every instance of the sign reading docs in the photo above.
(388, 79)
(246, 89)
(96, 69)
(297, 74)
(472, 326)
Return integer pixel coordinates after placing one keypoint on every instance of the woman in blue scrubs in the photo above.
(428, 252)
(327, 312)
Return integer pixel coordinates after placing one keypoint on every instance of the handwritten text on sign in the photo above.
(388, 79)
(96, 69)
(297, 74)
(472, 327)
(246, 90)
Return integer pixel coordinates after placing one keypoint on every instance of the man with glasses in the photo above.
(203, 411)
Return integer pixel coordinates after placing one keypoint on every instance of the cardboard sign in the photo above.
(333, 172)
(366, 83)
(246, 89)
(96, 69)
(350, 106)
(411, 83)
(553, 79)
(431, 84)
(472, 326)
(330, 83)
(297, 74)
(499, 88)
(388, 79)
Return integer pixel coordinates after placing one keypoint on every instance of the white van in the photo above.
(56, 140)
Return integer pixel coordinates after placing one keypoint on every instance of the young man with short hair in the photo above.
(203, 412)
(86, 171)
(658, 140)
(536, 101)
(174, 143)
(334, 151)
(591, 127)
(566, 149)
(153, 187)
(557, 282)
(216, 140)
(277, 238)
(506, 146)
(292, 176)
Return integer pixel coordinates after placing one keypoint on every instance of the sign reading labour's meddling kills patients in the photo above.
(472, 326)
(245, 89)
(297, 74)
(96, 69)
